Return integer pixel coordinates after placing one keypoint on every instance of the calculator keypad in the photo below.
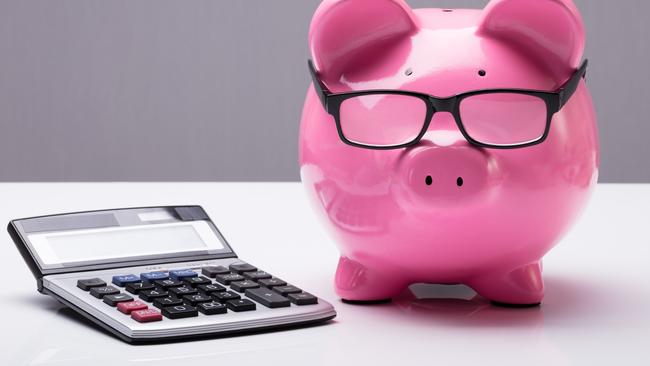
(183, 293)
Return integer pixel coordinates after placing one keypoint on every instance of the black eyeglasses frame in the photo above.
(554, 102)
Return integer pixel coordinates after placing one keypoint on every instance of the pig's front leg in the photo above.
(520, 287)
(356, 282)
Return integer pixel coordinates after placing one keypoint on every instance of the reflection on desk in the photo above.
(595, 311)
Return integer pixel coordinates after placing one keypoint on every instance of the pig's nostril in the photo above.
(428, 180)
(459, 181)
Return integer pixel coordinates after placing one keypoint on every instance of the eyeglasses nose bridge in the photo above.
(443, 104)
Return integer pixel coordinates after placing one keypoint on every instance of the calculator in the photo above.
(157, 274)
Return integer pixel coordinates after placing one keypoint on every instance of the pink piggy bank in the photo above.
(447, 146)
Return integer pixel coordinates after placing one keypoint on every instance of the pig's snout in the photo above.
(446, 175)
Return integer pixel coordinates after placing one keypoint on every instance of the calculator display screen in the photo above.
(72, 247)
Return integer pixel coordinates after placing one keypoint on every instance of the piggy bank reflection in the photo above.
(447, 146)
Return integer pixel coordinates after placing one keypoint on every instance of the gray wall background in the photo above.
(94, 90)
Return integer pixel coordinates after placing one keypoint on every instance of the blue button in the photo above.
(153, 276)
(182, 273)
(124, 279)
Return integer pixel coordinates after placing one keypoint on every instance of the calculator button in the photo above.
(128, 307)
(225, 296)
(150, 295)
(240, 305)
(136, 287)
(195, 281)
(212, 271)
(268, 297)
(179, 311)
(153, 276)
(100, 292)
(226, 279)
(213, 287)
(145, 316)
(182, 291)
(196, 299)
(168, 283)
(285, 290)
(271, 282)
(86, 285)
(211, 308)
(166, 301)
(256, 275)
(303, 298)
(122, 280)
(180, 274)
(241, 286)
(242, 267)
(113, 300)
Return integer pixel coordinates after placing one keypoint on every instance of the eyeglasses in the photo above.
(491, 118)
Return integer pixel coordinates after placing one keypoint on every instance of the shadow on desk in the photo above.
(566, 301)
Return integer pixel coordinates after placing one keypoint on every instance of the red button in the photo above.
(148, 315)
(128, 307)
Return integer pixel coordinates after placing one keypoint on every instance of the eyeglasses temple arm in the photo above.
(566, 92)
(321, 90)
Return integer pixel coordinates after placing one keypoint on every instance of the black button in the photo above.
(86, 285)
(100, 292)
(179, 311)
(195, 281)
(226, 279)
(285, 290)
(213, 287)
(256, 275)
(212, 271)
(149, 295)
(240, 305)
(196, 299)
(167, 301)
(270, 282)
(242, 267)
(303, 298)
(113, 300)
(242, 286)
(268, 297)
(182, 291)
(225, 296)
(211, 308)
(168, 283)
(136, 287)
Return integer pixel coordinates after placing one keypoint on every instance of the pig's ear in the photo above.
(551, 31)
(343, 31)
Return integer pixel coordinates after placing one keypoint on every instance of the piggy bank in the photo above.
(447, 146)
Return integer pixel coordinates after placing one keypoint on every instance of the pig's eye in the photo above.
(428, 180)
(482, 73)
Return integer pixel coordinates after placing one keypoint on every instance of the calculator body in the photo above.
(112, 265)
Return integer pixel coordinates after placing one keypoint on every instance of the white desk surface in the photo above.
(596, 310)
